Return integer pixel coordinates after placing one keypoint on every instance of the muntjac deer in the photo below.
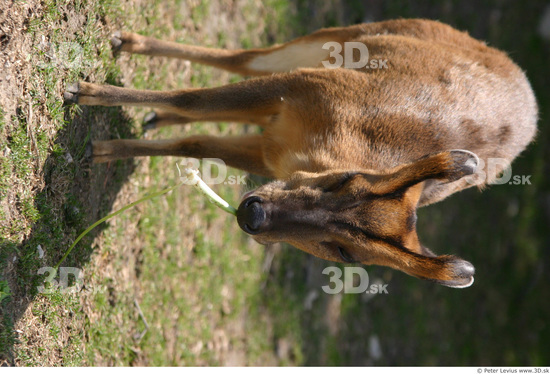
(353, 151)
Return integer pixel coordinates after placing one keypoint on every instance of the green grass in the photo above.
(163, 271)
(223, 282)
(49, 215)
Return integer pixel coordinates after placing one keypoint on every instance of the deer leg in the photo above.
(303, 52)
(253, 101)
(241, 152)
(161, 118)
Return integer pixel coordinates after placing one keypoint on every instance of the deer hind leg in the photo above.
(300, 53)
(304, 52)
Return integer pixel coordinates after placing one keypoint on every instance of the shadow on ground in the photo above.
(76, 194)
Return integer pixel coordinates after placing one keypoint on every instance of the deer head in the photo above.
(359, 216)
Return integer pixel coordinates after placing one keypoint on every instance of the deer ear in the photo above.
(459, 273)
(445, 166)
(450, 271)
(463, 163)
(447, 270)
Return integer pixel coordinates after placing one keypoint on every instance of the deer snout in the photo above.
(251, 215)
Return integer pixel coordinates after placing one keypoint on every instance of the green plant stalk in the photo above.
(52, 274)
(191, 177)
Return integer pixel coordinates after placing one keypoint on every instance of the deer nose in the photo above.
(251, 215)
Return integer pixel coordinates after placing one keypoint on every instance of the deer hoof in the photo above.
(116, 42)
(150, 121)
(89, 151)
(70, 95)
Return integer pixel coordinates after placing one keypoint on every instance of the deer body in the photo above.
(354, 151)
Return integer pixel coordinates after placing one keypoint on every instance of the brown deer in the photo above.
(353, 151)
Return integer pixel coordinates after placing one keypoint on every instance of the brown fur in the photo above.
(354, 151)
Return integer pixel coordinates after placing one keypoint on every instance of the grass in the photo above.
(174, 282)
(37, 175)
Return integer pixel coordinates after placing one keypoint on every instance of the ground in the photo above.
(174, 281)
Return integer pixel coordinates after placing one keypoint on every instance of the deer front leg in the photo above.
(241, 152)
(252, 101)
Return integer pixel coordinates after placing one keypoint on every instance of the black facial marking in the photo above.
(411, 220)
(393, 241)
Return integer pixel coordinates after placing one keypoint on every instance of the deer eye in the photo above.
(334, 187)
(345, 255)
